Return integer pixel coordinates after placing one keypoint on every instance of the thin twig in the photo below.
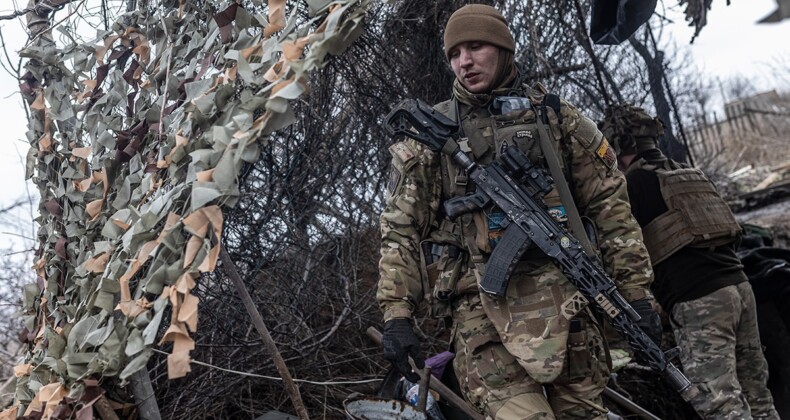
(274, 378)
(45, 7)
(19, 252)
(15, 72)
(58, 22)
(167, 75)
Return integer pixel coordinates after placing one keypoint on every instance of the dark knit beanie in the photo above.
(477, 22)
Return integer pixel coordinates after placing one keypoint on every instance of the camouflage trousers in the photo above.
(497, 385)
(722, 356)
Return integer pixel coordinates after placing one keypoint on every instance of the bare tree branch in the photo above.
(43, 7)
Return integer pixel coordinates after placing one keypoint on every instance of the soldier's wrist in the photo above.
(636, 293)
(397, 312)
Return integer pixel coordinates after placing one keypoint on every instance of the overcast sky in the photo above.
(731, 44)
(13, 147)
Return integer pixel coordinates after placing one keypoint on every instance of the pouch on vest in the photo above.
(443, 259)
(480, 220)
(506, 105)
(517, 125)
(489, 228)
(579, 360)
(518, 129)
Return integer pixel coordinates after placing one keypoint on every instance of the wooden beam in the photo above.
(257, 321)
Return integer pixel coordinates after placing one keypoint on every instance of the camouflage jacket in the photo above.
(417, 188)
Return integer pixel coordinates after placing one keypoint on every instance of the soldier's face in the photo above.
(475, 65)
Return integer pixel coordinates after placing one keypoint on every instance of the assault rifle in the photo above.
(516, 186)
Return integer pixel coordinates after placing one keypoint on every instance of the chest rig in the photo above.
(697, 216)
(533, 321)
(485, 135)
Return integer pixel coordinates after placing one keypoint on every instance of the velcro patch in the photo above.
(495, 229)
(558, 214)
(394, 180)
(402, 151)
(606, 153)
(523, 134)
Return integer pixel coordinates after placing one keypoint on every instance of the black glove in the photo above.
(650, 323)
(399, 343)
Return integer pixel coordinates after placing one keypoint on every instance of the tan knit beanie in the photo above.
(477, 22)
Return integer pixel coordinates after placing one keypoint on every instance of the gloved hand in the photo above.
(650, 322)
(400, 342)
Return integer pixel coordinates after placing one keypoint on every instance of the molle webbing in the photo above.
(455, 183)
(697, 215)
(588, 130)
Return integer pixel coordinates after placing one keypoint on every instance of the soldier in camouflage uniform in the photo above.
(532, 353)
(690, 232)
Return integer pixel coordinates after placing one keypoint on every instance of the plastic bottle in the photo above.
(432, 409)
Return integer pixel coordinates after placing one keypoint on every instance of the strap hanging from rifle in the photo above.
(574, 218)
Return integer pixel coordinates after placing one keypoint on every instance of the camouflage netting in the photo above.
(137, 138)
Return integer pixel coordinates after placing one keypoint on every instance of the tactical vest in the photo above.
(697, 216)
(487, 137)
(533, 320)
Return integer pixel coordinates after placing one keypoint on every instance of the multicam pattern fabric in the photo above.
(722, 356)
(528, 321)
(495, 382)
(488, 374)
(410, 210)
